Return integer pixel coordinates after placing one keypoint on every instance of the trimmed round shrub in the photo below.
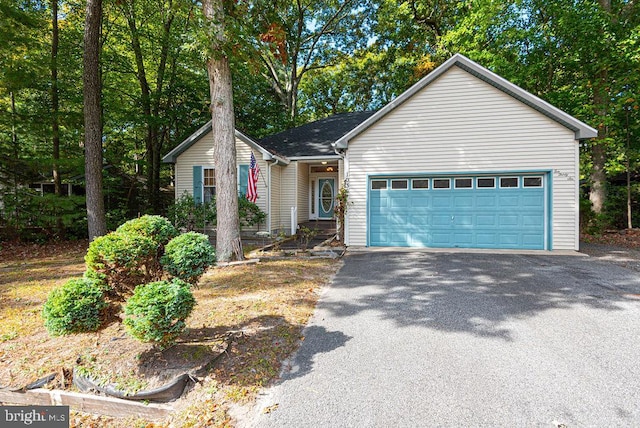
(152, 226)
(122, 261)
(76, 307)
(156, 311)
(187, 256)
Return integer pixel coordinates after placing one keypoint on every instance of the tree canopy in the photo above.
(293, 61)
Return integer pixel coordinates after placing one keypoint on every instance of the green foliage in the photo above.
(306, 235)
(250, 213)
(188, 216)
(34, 217)
(187, 256)
(156, 312)
(152, 226)
(342, 203)
(75, 307)
(122, 261)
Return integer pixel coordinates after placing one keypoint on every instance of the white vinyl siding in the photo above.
(288, 196)
(276, 173)
(303, 192)
(461, 124)
(201, 153)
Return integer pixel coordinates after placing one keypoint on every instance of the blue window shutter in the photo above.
(197, 184)
(243, 179)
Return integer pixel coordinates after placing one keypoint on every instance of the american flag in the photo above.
(252, 185)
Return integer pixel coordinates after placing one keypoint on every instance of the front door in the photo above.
(326, 197)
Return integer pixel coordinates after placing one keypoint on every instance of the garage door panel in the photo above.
(476, 218)
(486, 201)
(463, 201)
(419, 220)
(509, 201)
(463, 220)
(532, 240)
(486, 220)
(442, 201)
(509, 239)
(509, 220)
(533, 201)
(420, 239)
(487, 240)
(529, 220)
(463, 238)
(441, 220)
(420, 200)
(441, 239)
(380, 201)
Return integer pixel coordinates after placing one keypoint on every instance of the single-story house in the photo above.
(463, 158)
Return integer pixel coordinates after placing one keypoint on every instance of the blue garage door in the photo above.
(469, 212)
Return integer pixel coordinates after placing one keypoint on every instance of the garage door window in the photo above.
(486, 183)
(400, 184)
(508, 182)
(420, 184)
(441, 183)
(532, 181)
(463, 183)
(378, 184)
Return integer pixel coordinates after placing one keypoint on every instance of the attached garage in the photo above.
(482, 211)
(465, 159)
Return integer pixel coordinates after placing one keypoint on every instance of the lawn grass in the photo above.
(265, 305)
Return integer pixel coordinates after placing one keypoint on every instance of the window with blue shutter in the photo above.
(243, 179)
(197, 184)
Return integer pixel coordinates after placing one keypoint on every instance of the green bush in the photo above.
(152, 226)
(122, 261)
(75, 307)
(187, 256)
(156, 311)
(250, 214)
(188, 216)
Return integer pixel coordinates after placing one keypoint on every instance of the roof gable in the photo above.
(172, 156)
(581, 130)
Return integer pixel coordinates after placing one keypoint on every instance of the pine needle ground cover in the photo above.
(264, 306)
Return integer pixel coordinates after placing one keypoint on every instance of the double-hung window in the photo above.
(208, 184)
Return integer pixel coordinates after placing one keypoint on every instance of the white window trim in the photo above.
(509, 187)
(462, 178)
(421, 188)
(533, 187)
(484, 187)
(406, 180)
(433, 185)
(386, 184)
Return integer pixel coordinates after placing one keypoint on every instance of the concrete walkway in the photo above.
(439, 339)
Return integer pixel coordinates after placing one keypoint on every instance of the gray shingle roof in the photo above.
(315, 138)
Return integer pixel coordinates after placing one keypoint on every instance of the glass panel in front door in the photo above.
(326, 198)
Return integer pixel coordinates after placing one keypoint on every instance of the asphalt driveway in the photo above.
(412, 339)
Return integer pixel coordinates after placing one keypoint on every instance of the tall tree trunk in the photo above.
(598, 193)
(628, 166)
(151, 110)
(97, 224)
(228, 243)
(55, 104)
(14, 143)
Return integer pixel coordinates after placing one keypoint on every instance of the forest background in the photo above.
(292, 61)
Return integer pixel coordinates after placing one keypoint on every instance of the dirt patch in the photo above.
(265, 305)
(619, 247)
